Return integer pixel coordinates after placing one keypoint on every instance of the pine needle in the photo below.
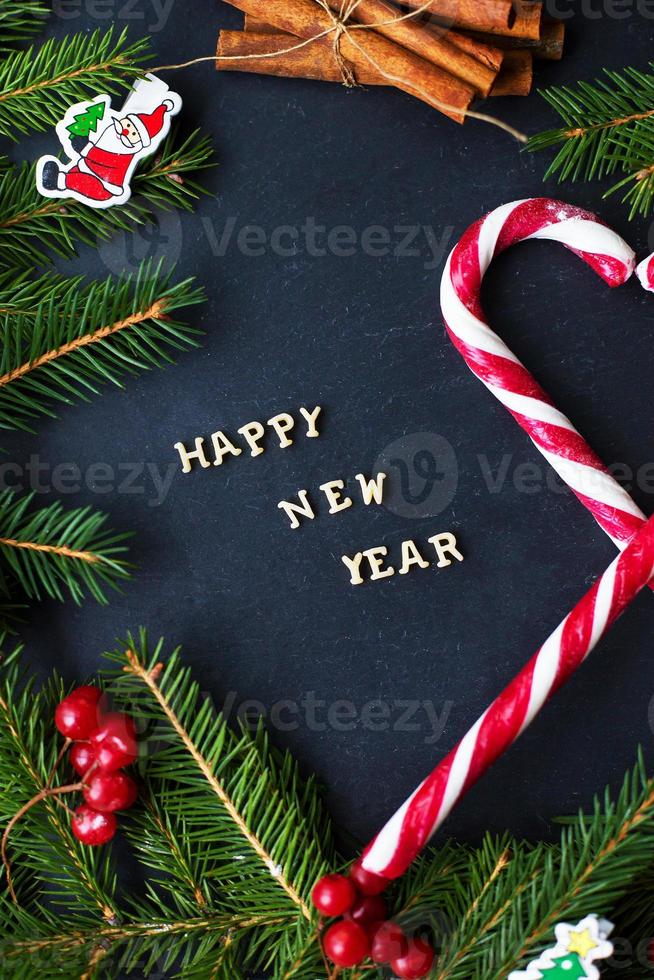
(32, 228)
(608, 129)
(37, 85)
(52, 552)
(20, 20)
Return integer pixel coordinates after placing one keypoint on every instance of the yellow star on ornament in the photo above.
(581, 943)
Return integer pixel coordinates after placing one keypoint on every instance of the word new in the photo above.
(253, 434)
(444, 545)
(370, 490)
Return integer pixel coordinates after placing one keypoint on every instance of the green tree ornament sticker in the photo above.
(574, 955)
(86, 122)
(568, 967)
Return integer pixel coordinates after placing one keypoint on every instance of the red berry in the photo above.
(346, 943)
(82, 757)
(79, 713)
(416, 962)
(333, 895)
(369, 911)
(93, 828)
(367, 882)
(110, 791)
(388, 943)
(115, 742)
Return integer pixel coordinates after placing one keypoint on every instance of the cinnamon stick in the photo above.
(527, 25)
(474, 15)
(549, 47)
(256, 26)
(419, 38)
(404, 69)
(315, 61)
(517, 74)
(490, 55)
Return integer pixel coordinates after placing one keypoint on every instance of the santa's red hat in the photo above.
(149, 124)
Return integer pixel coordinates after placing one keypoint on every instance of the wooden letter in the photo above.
(411, 556)
(372, 489)
(353, 565)
(282, 424)
(445, 544)
(252, 432)
(374, 556)
(197, 453)
(222, 446)
(332, 491)
(312, 431)
(304, 508)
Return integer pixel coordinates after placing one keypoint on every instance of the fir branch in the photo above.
(608, 129)
(234, 802)
(50, 551)
(20, 20)
(33, 227)
(61, 341)
(45, 850)
(37, 85)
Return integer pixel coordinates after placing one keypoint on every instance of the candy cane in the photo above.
(645, 272)
(391, 852)
(501, 371)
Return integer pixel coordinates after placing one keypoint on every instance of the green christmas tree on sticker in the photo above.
(87, 122)
(568, 967)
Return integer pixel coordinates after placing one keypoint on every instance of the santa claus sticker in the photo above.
(104, 146)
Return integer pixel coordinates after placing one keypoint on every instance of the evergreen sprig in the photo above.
(50, 551)
(39, 84)
(32, 228)
(20, 20)
(61, 340)
(225, 805)
(230, 840)
(608, 129)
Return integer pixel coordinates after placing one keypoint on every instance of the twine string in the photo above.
(342, 27)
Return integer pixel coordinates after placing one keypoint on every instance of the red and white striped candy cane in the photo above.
(393, 849)
(645, 272)
(501, 371)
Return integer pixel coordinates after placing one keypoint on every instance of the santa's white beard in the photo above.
(110, 141)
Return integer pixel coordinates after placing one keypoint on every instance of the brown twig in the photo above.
(154, 311)
(51, 549)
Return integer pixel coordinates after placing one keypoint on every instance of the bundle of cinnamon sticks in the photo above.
(445, 52)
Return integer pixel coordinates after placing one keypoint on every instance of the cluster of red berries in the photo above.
(103, 744)
(365, 931)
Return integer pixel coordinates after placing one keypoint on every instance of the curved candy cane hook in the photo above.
(492, 362)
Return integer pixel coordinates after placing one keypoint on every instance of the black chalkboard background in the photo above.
(266, 614)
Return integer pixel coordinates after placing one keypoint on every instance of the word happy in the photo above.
(252, 434)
